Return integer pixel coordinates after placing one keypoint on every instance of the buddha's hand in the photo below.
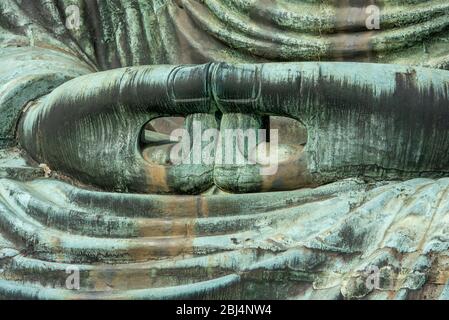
(91, 128)
(363, 120)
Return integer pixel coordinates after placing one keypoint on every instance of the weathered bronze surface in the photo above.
(87, 185)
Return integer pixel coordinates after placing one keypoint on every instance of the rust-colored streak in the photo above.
(165, 227)
(159, 248)
(291, 173)
(157, 178)
(353, 39)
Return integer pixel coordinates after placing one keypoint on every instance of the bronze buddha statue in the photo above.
(358, 105)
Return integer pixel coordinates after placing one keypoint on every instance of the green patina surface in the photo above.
(80, 188)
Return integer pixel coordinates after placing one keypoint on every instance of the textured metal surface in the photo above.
(73, 208)
(309, 243)
(361, 121)
(136, 32)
